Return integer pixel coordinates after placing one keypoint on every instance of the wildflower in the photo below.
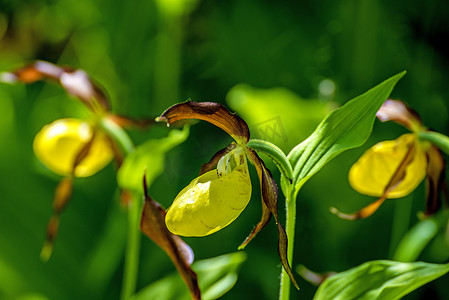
(221, 192)
(393, 169)
(71, 147)
(212, 200)
(58, 144)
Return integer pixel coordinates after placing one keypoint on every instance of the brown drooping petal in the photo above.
(435, 179)
(211, 112)
(214, 160)
(62, 196)
(75, 82)
(397, 111)
(153, 226)
(394, 181)
(269, 196)
(266, 216)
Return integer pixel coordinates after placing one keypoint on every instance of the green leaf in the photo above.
(379, 280)
(216, 277)
(344, 128)
(148, 157)
(414, 242)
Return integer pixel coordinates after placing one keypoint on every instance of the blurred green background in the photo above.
(282, 65)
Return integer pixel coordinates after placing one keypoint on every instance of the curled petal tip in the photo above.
(341, 215)
(46, 251)
(161, 119)
(241, 247)
(7, 77)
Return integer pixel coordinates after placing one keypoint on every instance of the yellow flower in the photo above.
(393, 169)
(213, 200)
(372, 172)
(58, 146)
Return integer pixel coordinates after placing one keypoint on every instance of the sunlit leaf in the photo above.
(216, 277)
(343, 129)
(148, 158)
(380, 280)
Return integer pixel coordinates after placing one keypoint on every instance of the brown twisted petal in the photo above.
(75, 82)
(435, 179)
(214, 160)
(153, 226)
(397, 177)
(397, 111)
(211, 112)
(269, 192)
(61, 198)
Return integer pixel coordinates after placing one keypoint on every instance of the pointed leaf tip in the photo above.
(344, 128)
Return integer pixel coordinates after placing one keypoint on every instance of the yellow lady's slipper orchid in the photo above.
(393, 169)
(218, 196)
(213, 200)
(58, 144)
(372, 172)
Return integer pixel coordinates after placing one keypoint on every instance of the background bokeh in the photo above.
(282, 65)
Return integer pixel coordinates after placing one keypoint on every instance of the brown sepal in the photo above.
(75, 82)
(434, 180)
(269, 192)
(397, 111)
(215, 159)
(153, 226)
(395, 180)
(266, 216)
(211, 112)
(63, 193)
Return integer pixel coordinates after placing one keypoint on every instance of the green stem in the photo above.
(290, 205)
(276, 154)
(440, 140)
(120, 137)
(132, 251)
